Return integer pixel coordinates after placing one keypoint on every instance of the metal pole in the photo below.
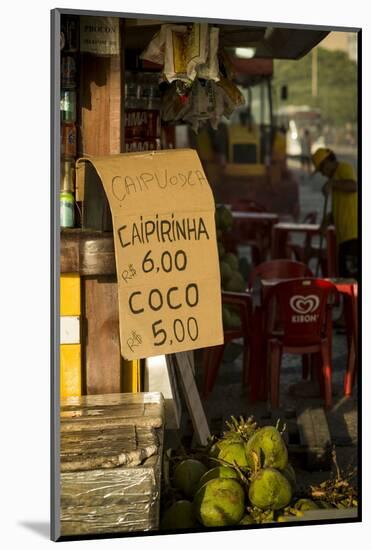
(314, 72)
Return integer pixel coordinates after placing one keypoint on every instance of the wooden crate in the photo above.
(111, 457)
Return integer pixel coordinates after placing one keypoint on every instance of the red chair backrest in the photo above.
(302, 306)
(243, 302)
(279, 269)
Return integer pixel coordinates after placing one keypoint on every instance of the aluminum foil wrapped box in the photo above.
(111, 458)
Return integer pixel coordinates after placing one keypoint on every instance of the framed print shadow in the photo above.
(206, 184)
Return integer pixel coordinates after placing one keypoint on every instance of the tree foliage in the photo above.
(337, 84)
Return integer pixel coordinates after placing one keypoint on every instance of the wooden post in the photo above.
(101, 133)
(100, 105)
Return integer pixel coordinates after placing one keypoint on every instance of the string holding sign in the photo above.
(166, 252)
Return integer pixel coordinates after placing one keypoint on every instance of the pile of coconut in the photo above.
(242, 478)
(231, 268)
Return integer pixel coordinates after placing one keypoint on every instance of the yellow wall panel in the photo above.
(131, 382)
(70, 294)
(70, 370)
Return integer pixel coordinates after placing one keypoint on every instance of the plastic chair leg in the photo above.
(327, 371)
(246, 363)
(212, 368)
(256, 349)
(206, 366)
(316, 372)
(351, 369)
(256, 255)
(306, 365)
(275, 368)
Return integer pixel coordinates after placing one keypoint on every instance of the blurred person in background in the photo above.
(306, 147)
(341, 186)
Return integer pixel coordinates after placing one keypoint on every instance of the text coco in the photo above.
(173, 298)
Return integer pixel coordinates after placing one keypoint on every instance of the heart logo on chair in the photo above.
(304, 304)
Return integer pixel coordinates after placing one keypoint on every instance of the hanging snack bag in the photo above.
(202, 105)
(197, 48)
(175, 66)
(226, 65)
(218, 112)
(155, 51)
(174, 105)
(232, 96)
(210, 69)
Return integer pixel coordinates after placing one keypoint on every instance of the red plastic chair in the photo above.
(352, 361)
(327, 256)
(279, 269)
(212, 357)
(282, 269)
(300, 323)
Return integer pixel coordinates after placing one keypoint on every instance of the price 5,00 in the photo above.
(180, 330)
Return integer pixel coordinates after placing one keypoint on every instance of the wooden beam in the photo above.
(100, 105)
(101, 335)
(100, 132)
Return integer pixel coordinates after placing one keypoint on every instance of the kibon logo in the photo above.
(305, 307)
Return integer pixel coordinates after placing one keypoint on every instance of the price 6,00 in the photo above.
(180, 330)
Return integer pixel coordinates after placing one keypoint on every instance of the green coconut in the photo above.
(221, 250)
(180, 515)
(269, 489)
(289, 473)
(231, 451)
(283, 519)
(236, 283)
(225, 271)
(232, 260)
(269, 446)
(224, 219)
(235, 320)
(305, 504)
(220, 502)
(187, 474)
(224, 472)
(231, 319)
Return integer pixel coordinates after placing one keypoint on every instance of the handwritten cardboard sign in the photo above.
(166, 252)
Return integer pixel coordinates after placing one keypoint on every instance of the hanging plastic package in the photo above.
(202, 104)
(225, 64)
(210, 69)
(155, 51)
(218, 112)
(232, 96)
(197, 48)
(174, 105)
(175, 65)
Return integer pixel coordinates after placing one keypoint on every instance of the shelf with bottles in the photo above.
(69, 47)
